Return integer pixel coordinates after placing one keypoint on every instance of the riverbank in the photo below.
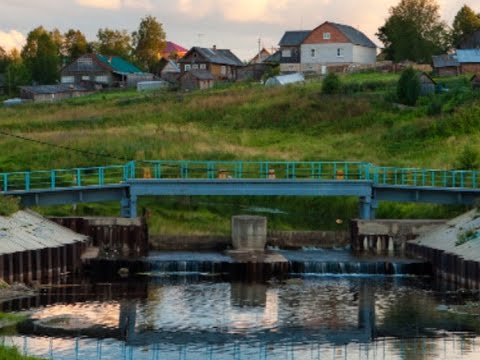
(11, 353)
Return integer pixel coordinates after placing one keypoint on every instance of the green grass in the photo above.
(11, 353)
(248, 122)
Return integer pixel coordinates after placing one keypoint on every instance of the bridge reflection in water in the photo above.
(333, 318)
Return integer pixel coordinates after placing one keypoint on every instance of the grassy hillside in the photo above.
(248, 122)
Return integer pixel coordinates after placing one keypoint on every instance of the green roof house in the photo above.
(103, 71)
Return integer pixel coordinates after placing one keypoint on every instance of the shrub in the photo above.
(468, 159)
(331, 84)
(9, 205)
(408, 87)
(434, 108)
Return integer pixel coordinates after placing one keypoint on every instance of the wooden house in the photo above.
(475, 81)
(196, 79)
(260, 57)
(104, 71)
(221, 63)
(469, 61)
(52, 93)
(446, 65)
(290, 49)
(167, 70)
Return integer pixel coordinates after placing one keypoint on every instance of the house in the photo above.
(330, 44)
(167, 69)
(471, 42)
(103, 71)
(196, 79)
(475, 81)
(221, 63)
(446, 65)
(427, 84)
(290, 48)
(260, 57)
(469, 61)
(173, 51)
(258, 71)
(51, 93)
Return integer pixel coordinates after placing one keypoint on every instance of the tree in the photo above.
(74, 44)
(16, 73)
(408, 87)
(149, 42)
(414, 31)
(41, 56)
(114, 42)
(3, 60)
(466, 22)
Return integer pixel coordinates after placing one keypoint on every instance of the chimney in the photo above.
(214, 47)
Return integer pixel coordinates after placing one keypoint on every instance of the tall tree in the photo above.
(3, 60)
(466, 22)
(75, 44)
(414, 31)
(114, 42)
(16, 73)
(149, 42)
(41, 56)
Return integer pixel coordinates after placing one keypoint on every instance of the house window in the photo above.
(327, 36)
(313, 53)
(223, 70)
(339, 52)
(287, 53)
(101, 79)
(86, 78)
(195, 66)
(188, 67)
(203, 66)
(68, 79)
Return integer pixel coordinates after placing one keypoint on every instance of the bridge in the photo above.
(126, 183)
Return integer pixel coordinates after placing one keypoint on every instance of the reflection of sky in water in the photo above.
(298, 319)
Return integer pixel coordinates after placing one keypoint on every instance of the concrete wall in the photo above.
(365, 234)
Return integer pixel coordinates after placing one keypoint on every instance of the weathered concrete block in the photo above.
(249, 233)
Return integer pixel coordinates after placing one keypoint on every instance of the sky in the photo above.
(234, 24)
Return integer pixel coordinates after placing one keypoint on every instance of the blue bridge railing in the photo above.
(269, 170)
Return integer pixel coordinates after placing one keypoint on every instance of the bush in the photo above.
(468, 159)
(331, 84)
(434, 108)
(408, 87)
(9, 205)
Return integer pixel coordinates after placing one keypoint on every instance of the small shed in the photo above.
(51, 93)
(475, 81)
(282, 80)
(446, 65)
(427, 84)
(196, 79)
(469, 61)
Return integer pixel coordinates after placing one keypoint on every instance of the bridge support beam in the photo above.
(128, 207)
(367, 208)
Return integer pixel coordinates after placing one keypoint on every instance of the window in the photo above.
(101, 79)
(195, 66)
(68, 79)
(223, 70)
(313, 53)
(287, 53)
(86, 78)
(339, 52)
(188, 67)
(203, 66)
(327, 36)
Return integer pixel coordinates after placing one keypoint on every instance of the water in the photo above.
(316, 315)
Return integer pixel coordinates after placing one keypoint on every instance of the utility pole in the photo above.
(259, 49)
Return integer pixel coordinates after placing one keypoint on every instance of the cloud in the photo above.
(234, 10)
(12, 39)
(116, 4)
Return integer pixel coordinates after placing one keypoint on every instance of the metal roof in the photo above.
(294, 38)
(171, 47)
(216, 56)
(118, 64)
(26, 230)
(53, 89)
(446, 60)
(355, 36)
(468, 56)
